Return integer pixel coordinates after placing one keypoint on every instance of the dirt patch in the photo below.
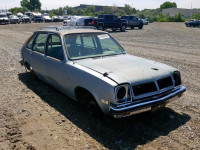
(34, 115)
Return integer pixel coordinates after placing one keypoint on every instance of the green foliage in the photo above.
(168, 18)
(16, 10)
(196, 16)
(168, 5)
(148, 13)
(89, 11)
(128, 10)
(31, 4)
(58, 11)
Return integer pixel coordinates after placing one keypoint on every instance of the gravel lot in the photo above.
(34, 115)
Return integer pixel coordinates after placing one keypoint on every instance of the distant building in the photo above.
(98, 7)
(186, 13)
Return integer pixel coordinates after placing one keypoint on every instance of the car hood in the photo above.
(127, 68)
(46, 17)
(3, 18)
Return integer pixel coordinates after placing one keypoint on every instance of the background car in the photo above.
(25, 19)
(84, 21)
(145, 21)
(193, 23)
(38, 19)
(60, 18)
(46, 17)
(14, 19)
(55, 19)
(104, 22)
(133, 22)
(4, 19)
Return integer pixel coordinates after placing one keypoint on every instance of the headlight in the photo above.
(177, 78)
(123, 93)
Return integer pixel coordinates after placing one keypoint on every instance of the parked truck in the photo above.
(133, 22)
(109, 22)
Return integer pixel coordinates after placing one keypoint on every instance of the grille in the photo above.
(165, 82)
(144, 88)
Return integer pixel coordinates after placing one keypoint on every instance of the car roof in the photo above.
(63, 30)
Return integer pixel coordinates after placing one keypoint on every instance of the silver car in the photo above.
(91, 67)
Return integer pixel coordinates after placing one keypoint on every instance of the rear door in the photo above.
(109, 23)
(135, 21)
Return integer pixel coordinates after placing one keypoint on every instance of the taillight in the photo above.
(92, 21)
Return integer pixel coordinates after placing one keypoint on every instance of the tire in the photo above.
(87, 100)
(123, 28)
(140, 26)
(100, 27)
(132, 27)
(93, 109)
(114, 30)
(29, 67)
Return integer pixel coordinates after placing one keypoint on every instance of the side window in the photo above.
(131, 17)
(109, 17)
(54, 47)
(39, 43)
(30, 43)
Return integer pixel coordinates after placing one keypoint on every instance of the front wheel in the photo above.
(140, 27)
(93, 109)
(123, 28)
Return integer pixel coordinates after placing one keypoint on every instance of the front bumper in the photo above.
(4, 21)
(146, 104)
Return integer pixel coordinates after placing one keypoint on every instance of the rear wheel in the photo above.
(100, 27)
(30, 68)
(114, 30)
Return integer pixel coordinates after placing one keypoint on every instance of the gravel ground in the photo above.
(34, 115)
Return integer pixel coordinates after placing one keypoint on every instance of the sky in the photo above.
(138, 4)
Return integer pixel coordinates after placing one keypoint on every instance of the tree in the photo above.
(128, 10)
(16, 10)
(168, 5)
(89, 11)
(31, 4)
(107, 10)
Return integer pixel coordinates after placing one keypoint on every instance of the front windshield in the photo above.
(13, 16)
(91, 45)
(3, 16)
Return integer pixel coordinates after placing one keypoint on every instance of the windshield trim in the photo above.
(79, 58)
